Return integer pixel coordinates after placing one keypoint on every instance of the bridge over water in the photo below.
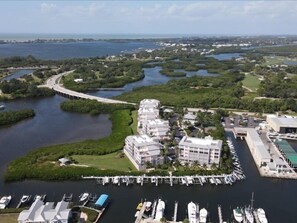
(54, 83)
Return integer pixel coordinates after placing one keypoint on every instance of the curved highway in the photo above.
(54, 83)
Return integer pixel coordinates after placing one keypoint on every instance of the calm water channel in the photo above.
(56, 51)
(51, 126)
(17, 74)
(152, 77)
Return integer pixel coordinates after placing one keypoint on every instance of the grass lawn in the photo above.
(113, 161)
(133, 125)
(277, 60)
(9, 218)
(252, 82)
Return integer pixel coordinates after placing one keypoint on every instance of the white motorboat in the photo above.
(237, 213)
(211, 181)
(116, 180)
(183, 181)
(203, 215)
(249, 215)
(148, 206)
(261, 215)
(2, 107)
(160, 210)
(25, 198)
(83, 197)
(190, 180)
(138, 180)
(105, 180)
(4, 201)
(153, 180)
(192, 212)
(203, 179)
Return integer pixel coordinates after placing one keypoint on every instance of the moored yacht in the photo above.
(83, 197)
(203, 215)
(237, 213)
(148, 206)
(160, 210)
(192, 212)
(25, 198)
(249, 215)
(261, 215)
(4, 201)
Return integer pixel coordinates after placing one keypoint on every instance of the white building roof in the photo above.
(40, 212)
(283, 121)
(207, 142)
(260, 148)
(157, 122)
(189, 116)
(150, 103)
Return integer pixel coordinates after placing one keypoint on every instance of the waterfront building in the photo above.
(257, 147)
(149, 103)
(157, 128)
(204, 151)
(282, 124)
(145, 114)
(141, 149)
(287, 151)
(41, 212)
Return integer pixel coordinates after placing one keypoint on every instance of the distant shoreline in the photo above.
(40, 38)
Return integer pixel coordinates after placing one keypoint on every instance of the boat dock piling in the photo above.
(140, 215)
(175, 211)
(220, 214)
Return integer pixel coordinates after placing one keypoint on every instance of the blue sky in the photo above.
(149, 17)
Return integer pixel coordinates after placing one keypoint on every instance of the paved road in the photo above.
(54, 83)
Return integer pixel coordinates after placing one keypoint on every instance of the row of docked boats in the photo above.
(237, 169)
(248, 215)
(227, 179)
(195, 215)
(155, 212)
(25, 199)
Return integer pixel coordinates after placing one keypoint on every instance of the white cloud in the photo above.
(48, 7)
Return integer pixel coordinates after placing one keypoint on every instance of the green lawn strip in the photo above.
(113, 161)
(38, 164)
(92, 215)
(133, 125)
(252, 82)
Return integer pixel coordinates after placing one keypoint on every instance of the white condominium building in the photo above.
(149, 103)
(141, 149)
(156, 128)
(145, 114)
(204, 151)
